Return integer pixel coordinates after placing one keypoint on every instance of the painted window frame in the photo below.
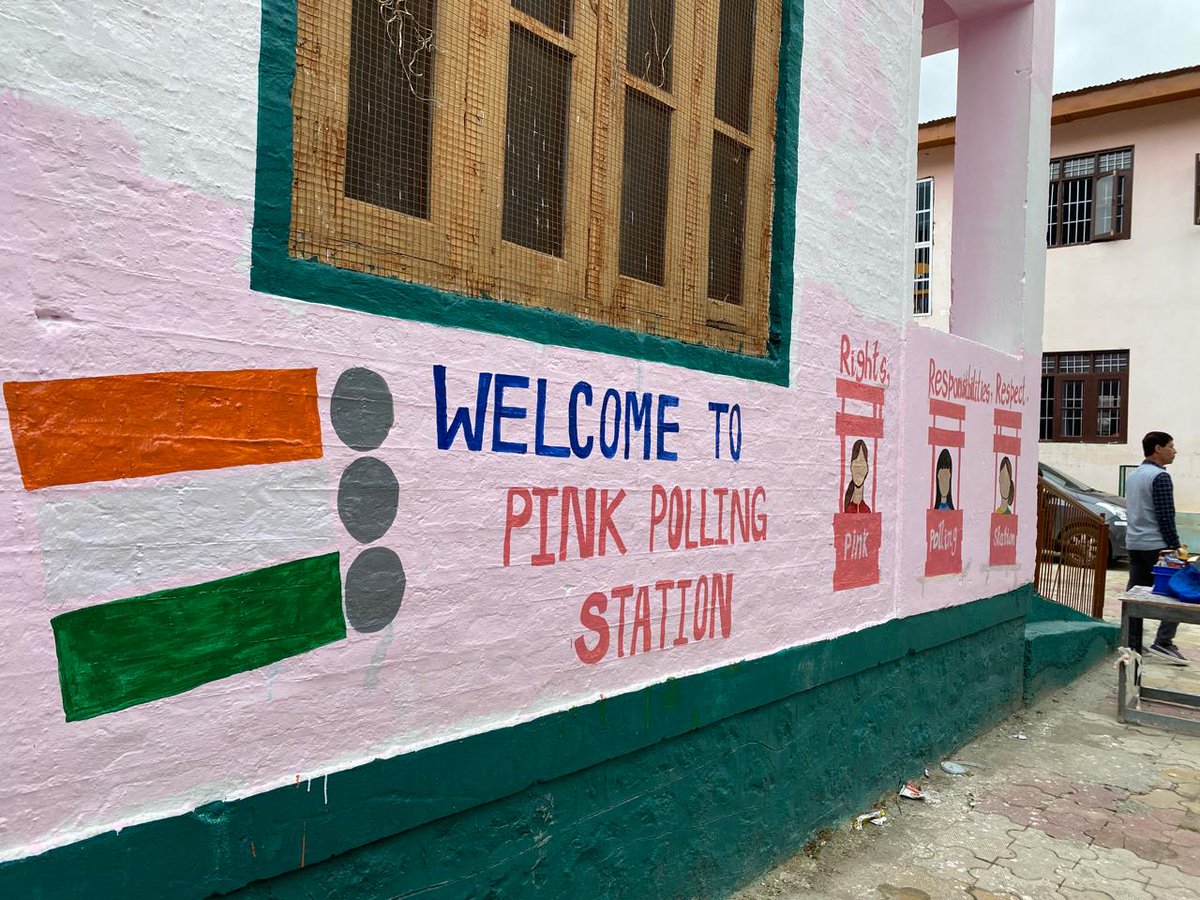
(274, 271)
(927, 246)
(1117, 208)
(1081, 372)
(1196, 205)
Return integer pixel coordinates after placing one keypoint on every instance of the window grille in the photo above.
(609, 161)
(1083, 396)
(1089, 198)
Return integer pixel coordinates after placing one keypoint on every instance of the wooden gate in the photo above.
(1072, 552)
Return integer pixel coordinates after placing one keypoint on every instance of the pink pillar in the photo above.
(1002, 147)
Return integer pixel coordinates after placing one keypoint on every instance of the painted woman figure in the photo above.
(943, 480)
(855, 501)
(1007, 488)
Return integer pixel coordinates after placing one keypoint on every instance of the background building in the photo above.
(1122, 270)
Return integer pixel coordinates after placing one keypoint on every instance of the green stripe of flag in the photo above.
(115, 655)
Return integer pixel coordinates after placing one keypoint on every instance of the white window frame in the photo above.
(927, 246)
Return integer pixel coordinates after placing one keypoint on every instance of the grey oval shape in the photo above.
(374, 588)
(367, 498)
(361, 409)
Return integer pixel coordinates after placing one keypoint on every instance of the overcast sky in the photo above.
(1095, 42)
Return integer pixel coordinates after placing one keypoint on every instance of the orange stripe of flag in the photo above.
(76, 430)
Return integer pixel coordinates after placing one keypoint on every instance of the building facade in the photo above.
(478, 449)
(1123, 262)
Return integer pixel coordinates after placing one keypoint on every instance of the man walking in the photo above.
(1150, 498)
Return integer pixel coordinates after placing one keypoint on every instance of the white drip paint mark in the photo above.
(326, 790)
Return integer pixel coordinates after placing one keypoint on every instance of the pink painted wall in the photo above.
(110, 269)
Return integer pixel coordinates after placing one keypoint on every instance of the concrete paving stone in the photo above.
(1065, 850)
(985, 835)
(1082, 878)
(1111, 837)
(1188, 790)
(951, 863)
(1185, 838)
(1033, 863)
(1180, 774)
(1018, 815)
(1173, 817)
(1150, 849)
(1072, 894)
(1161, 798)
(1169, 877)
(1170, 893)
(1116, 864)
(1000, 880)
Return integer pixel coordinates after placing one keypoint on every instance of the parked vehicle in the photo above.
(1100, 502)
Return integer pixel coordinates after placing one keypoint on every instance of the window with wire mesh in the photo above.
(1084, 396)
(1090, 198)
(923, 254)
(609, 161)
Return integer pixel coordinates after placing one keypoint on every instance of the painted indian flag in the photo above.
(255, 434)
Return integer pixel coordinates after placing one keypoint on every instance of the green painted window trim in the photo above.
(209, 850)
(274, 271)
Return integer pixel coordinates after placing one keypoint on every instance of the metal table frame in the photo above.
(1136, 606)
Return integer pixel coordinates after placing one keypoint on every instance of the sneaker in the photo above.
(1168, 653)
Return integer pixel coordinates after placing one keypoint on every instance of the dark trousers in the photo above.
(1141, 565)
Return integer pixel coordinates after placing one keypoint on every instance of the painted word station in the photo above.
(630, 619)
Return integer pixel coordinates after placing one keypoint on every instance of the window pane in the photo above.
(390, 104)
(726, 220)
(1105, 205)
(1055, 169)
(924, 211)
(1080, 165)
(1117, 159)
(735, 61)
(1108, 408)
(644, 186)
(1112, 361)
(650, 35)
(1072, 409)
(921, 282)
(1074, 362)
(1052, 237)
(1077, 211)
(1049, 361)
(1046, 421)
(535, 142)
(555, 13)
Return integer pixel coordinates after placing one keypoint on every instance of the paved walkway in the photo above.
(1083, 808)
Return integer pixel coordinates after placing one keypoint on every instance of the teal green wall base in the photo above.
(1061, 644)
(1056, 653)
(685, 788)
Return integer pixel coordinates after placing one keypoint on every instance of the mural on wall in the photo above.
(863, 374)
(943, 519)
(125, 652)
(1006, 448)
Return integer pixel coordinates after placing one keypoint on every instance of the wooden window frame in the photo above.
(461, 244)
(1054, 223)
(1090, 380)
